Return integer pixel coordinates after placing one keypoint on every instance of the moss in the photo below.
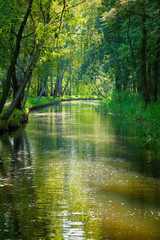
(17, 118)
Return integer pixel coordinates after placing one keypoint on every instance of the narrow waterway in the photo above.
(76, 173)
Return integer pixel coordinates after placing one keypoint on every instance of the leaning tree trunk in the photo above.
(21, 88)
(26, 94)
(41, 92)
(15, 88)
(14, 58)
(66, 85)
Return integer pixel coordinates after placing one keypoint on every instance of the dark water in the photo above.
(75, 173)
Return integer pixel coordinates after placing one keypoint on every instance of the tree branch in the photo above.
(29, 34)
(139, 14)
(99, 91)
(75, 5)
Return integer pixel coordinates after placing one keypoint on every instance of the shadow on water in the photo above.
(17, 195)
(76, 173)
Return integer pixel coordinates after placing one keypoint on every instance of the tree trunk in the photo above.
(60, 84)
(118, 84)
(42, 89)
(21, 88)
(149, 78)
(70, 82)
(132, 54)
(65, 87)
(57, 79)
(131, 47)
(143, 62)
(51, 85)
(26, 94)
(156, 73)
(15, 88)
(56, 88)
(14, 58)
(70, 87)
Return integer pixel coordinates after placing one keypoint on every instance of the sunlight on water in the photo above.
(76, 173)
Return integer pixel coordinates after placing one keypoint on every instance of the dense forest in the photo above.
(108, 48)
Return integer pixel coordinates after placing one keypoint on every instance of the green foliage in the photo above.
(148, 125)
(79, 96)
(145, 119)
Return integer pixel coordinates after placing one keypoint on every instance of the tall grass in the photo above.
(145, 119)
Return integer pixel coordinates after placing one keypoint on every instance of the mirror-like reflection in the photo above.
(76, 173)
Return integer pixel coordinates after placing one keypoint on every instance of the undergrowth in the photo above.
(132, 108)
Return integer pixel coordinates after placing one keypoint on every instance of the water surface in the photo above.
(76, 173)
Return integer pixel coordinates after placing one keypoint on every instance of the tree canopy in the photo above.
(78, 46)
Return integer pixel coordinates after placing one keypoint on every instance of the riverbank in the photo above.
(144, 118)
(20, 117)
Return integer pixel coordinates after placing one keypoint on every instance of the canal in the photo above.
(74, 173)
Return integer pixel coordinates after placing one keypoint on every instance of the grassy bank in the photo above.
(43, 102)
(145, 119)
(19, 117)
